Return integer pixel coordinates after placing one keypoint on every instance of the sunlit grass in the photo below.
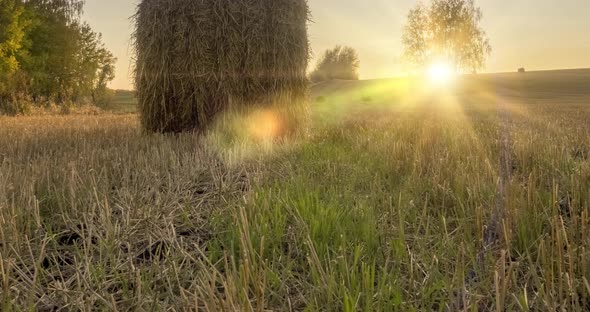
(380, 206)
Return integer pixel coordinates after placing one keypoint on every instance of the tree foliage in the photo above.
(337, 63)
(95, 65)
(13, 27)
(12, 32)
(57, 58)
(66, 10)
(447, 30)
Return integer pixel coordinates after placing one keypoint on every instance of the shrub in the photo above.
(13, 94)
(12, 105)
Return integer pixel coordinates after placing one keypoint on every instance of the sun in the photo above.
(441, 73)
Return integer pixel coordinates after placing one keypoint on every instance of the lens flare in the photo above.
(265, 125)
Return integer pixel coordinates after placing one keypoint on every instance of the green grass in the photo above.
(382, 207)
(123, 101)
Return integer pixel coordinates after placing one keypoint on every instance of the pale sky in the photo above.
(535, 34)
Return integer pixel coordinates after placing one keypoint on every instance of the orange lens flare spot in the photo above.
(265, 125)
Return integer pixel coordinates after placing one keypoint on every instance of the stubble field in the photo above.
(400, 197)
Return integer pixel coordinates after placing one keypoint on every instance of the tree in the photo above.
(13, 27)
(68, 11)
(337, 63)
(48, 55)
(447, 30)
(55, 43)
(95, 67)
(12, 32)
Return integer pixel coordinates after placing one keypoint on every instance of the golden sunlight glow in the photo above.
(441, 73)
(265, 125)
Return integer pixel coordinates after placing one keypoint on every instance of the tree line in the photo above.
(440, 31)
(48, 55)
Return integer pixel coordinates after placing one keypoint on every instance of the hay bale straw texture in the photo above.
(197, 58)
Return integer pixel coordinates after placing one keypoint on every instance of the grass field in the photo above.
(123, 101)
(402, 197)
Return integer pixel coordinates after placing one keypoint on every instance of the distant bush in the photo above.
(337, 63)
(13, 94)
(320, 99)
(11, 105)
(367, 99)
(103, 98)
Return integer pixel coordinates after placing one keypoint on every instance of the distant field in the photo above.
(558, 83)
(124, 101)
(533, 87)
(403, 197)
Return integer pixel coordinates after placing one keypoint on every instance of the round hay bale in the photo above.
(197, 58)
